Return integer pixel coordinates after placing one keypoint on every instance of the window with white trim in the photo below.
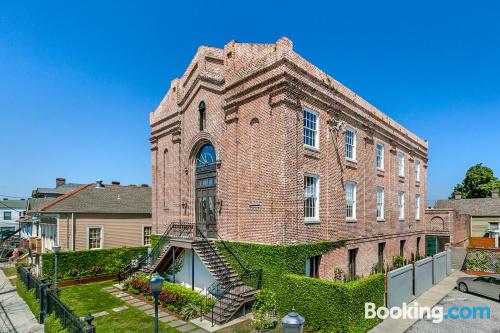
(311, 198)
(380, 203)
(311, 129)
(401, 205)
(380, 156)
(417, 170)
(350, 200)
(401, 164)
(146, 235)
(417, 207)
(493, 225)
(350, 144)
(95, 238)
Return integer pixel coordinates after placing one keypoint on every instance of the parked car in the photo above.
(487, 285)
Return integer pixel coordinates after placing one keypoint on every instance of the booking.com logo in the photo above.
(436, 313)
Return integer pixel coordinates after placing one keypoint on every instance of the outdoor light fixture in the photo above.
(156, 283)
(56, 249)
(292, 322)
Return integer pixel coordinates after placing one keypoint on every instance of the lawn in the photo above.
(9, 271)
(91, 298)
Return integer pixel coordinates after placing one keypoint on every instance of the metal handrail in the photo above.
(228, 249)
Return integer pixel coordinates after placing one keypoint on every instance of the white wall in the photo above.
(202, 277)
(15, 215)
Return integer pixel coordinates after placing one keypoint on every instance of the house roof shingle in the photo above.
(62, 189)
(473, 207)
(13, 204)
(108, 199)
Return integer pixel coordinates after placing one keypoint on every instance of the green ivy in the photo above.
(328, 306)
(52, 324)
(275, 260)
(74, 265)
(332, 306)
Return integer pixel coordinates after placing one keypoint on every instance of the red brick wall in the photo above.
(255, 95)
(448, 222)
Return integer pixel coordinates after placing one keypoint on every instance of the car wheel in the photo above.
(463, 287)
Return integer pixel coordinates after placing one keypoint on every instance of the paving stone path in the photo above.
(148, 309)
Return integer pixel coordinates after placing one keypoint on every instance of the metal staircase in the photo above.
(226, 295)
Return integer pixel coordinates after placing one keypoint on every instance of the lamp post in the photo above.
(156, 283)
(292, 322)
(56, 248)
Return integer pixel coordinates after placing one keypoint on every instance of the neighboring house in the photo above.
(484, 212)
(10, 213)
(96, 216)
(53, 192)
(256, 144)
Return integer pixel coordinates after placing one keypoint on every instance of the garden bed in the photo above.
(88, 280)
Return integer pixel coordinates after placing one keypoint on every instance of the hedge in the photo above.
(332, 306)
(328, 306)
(275, 260)
(73, 265)
(29, 297)
(154, 240)
(52, 324)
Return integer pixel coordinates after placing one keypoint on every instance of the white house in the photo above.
(10, 213)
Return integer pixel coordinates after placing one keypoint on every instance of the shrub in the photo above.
(29, 297)
(477, 260)
(190, 311)
(264, 309)
(399, 261)
(53, 325)
(74, 265)
(332, 306)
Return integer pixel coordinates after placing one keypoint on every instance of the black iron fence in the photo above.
(49, 302)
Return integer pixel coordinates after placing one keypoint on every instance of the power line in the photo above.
(19, 211)
(12, 196)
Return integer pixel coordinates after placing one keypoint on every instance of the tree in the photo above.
(478, 182)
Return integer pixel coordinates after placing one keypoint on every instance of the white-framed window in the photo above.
(417, 170)
(380, 203)
(380, 156)
(494, 225)
(401, 205)
(311, 138)
(350, 144)
(417, 207)
(146, 234)
(350, 200)
(311, 197)
(401, 164)
(94, 237)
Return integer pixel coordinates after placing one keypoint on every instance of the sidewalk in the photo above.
(430, 298)
(15, 316)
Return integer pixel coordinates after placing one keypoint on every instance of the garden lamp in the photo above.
(156, 283)
(56, 249)
(292, 322)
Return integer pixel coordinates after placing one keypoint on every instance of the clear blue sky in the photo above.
(77, 81)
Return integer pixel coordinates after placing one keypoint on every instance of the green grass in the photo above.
(90, 298)
(9, 271)
(29, 297)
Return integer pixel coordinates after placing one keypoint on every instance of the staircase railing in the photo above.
(231, 252)
(174, 230)
(224, 275)
(8, 234)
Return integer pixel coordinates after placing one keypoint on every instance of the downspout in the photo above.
(67, 232)
(73, 231)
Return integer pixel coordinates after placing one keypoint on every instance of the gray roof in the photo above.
(13, 204)
(108, 199)
(35, 203)
(63, 189)
(473, 207)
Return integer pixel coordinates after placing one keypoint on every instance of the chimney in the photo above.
(60, 182)
(458, 196)
(494, 194)
(98, 183)
(114, 182)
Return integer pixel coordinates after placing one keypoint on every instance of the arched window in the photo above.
(206, 156)
(202, 116)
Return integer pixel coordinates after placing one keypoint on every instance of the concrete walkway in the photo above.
(428, 299)
(15, 316)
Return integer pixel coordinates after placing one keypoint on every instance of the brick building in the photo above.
(257, 144)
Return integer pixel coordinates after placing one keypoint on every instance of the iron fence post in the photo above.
(43, 302)
(89, 327)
